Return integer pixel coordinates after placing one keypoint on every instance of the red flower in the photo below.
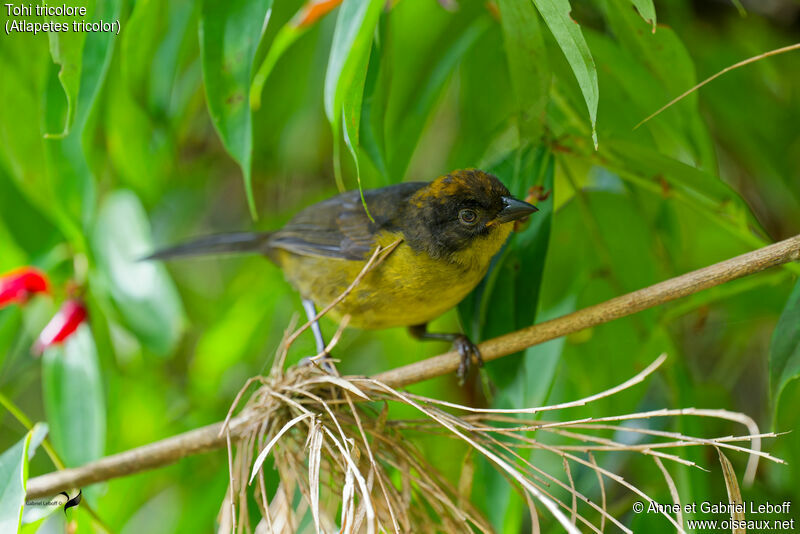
(61, 326)
(18, 285)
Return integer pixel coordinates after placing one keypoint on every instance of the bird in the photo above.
(448, 229)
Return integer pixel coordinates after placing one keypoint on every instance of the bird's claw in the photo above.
(467, 350)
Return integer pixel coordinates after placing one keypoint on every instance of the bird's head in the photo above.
(464, 216)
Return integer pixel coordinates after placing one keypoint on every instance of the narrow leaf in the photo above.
(373, 109)
(734, 493)
(314, 453)
(527, 63)
(69, 175)
(13, 479)
(346, 74)
(647, 11)
(671, 70)
(352, 39)
(784, 353)
(74, 399)
(351, 115)
(287, 35)
(38, 433)
(570, 39)
(229, 37)
(508, 296)
(263, 454)
(407, 129)
(304, 19)
(142, 290)
(342, 383)
(66, 49)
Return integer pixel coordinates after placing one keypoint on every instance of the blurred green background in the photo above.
(113, 145)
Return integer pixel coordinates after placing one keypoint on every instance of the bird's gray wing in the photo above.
(339, 226)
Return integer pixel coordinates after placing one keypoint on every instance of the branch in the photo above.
(208, 438)
(628, 304)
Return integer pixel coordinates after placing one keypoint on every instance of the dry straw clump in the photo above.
(345, 466)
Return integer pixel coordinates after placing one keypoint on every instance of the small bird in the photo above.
(450, 230)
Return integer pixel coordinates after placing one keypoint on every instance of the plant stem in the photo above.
(23, 419)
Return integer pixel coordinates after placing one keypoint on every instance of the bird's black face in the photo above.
(458, 209)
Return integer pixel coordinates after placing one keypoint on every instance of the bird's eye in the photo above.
(467, 216)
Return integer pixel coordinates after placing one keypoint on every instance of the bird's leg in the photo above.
(311, 313)
(466, 348)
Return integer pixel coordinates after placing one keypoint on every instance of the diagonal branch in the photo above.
(628, 304)
(208, 438)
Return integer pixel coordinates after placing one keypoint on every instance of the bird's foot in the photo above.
(467, 350)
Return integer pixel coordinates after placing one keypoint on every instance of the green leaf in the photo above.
(672, 71)
(13, 480)
(373, 109)
(140, 43)
(509, 301)
(784, 353)
(413, 113)
(97, 51)
(692, 185)
(302, 21)
(346, 74)
(351, 116)
(286, 36)
(74, 399)
(68, 171)
(229, 37)
(38, 433)
(739, 7)
(508, 297)
(20, 146)
(140, 143)
(527, 64)
(165, 66)
(139, 148)
(142, 291)
(350, 48)
(530, 387)
(24, 62)
(68, 178)
(533, 385)
(646, 10)
(570, 39)
(13, 256)
(66, 48)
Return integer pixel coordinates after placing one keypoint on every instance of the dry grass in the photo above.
(344, 466)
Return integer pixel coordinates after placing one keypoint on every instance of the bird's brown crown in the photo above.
(467, 184)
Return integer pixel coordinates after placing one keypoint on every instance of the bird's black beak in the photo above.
(514, 209)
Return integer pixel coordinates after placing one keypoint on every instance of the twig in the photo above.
(208, 438)
(729, 68)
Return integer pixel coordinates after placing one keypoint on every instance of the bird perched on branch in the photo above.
(450, 230)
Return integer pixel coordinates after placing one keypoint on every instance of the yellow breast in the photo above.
(408, 288)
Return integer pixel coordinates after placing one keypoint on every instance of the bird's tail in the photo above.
(237, 243)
